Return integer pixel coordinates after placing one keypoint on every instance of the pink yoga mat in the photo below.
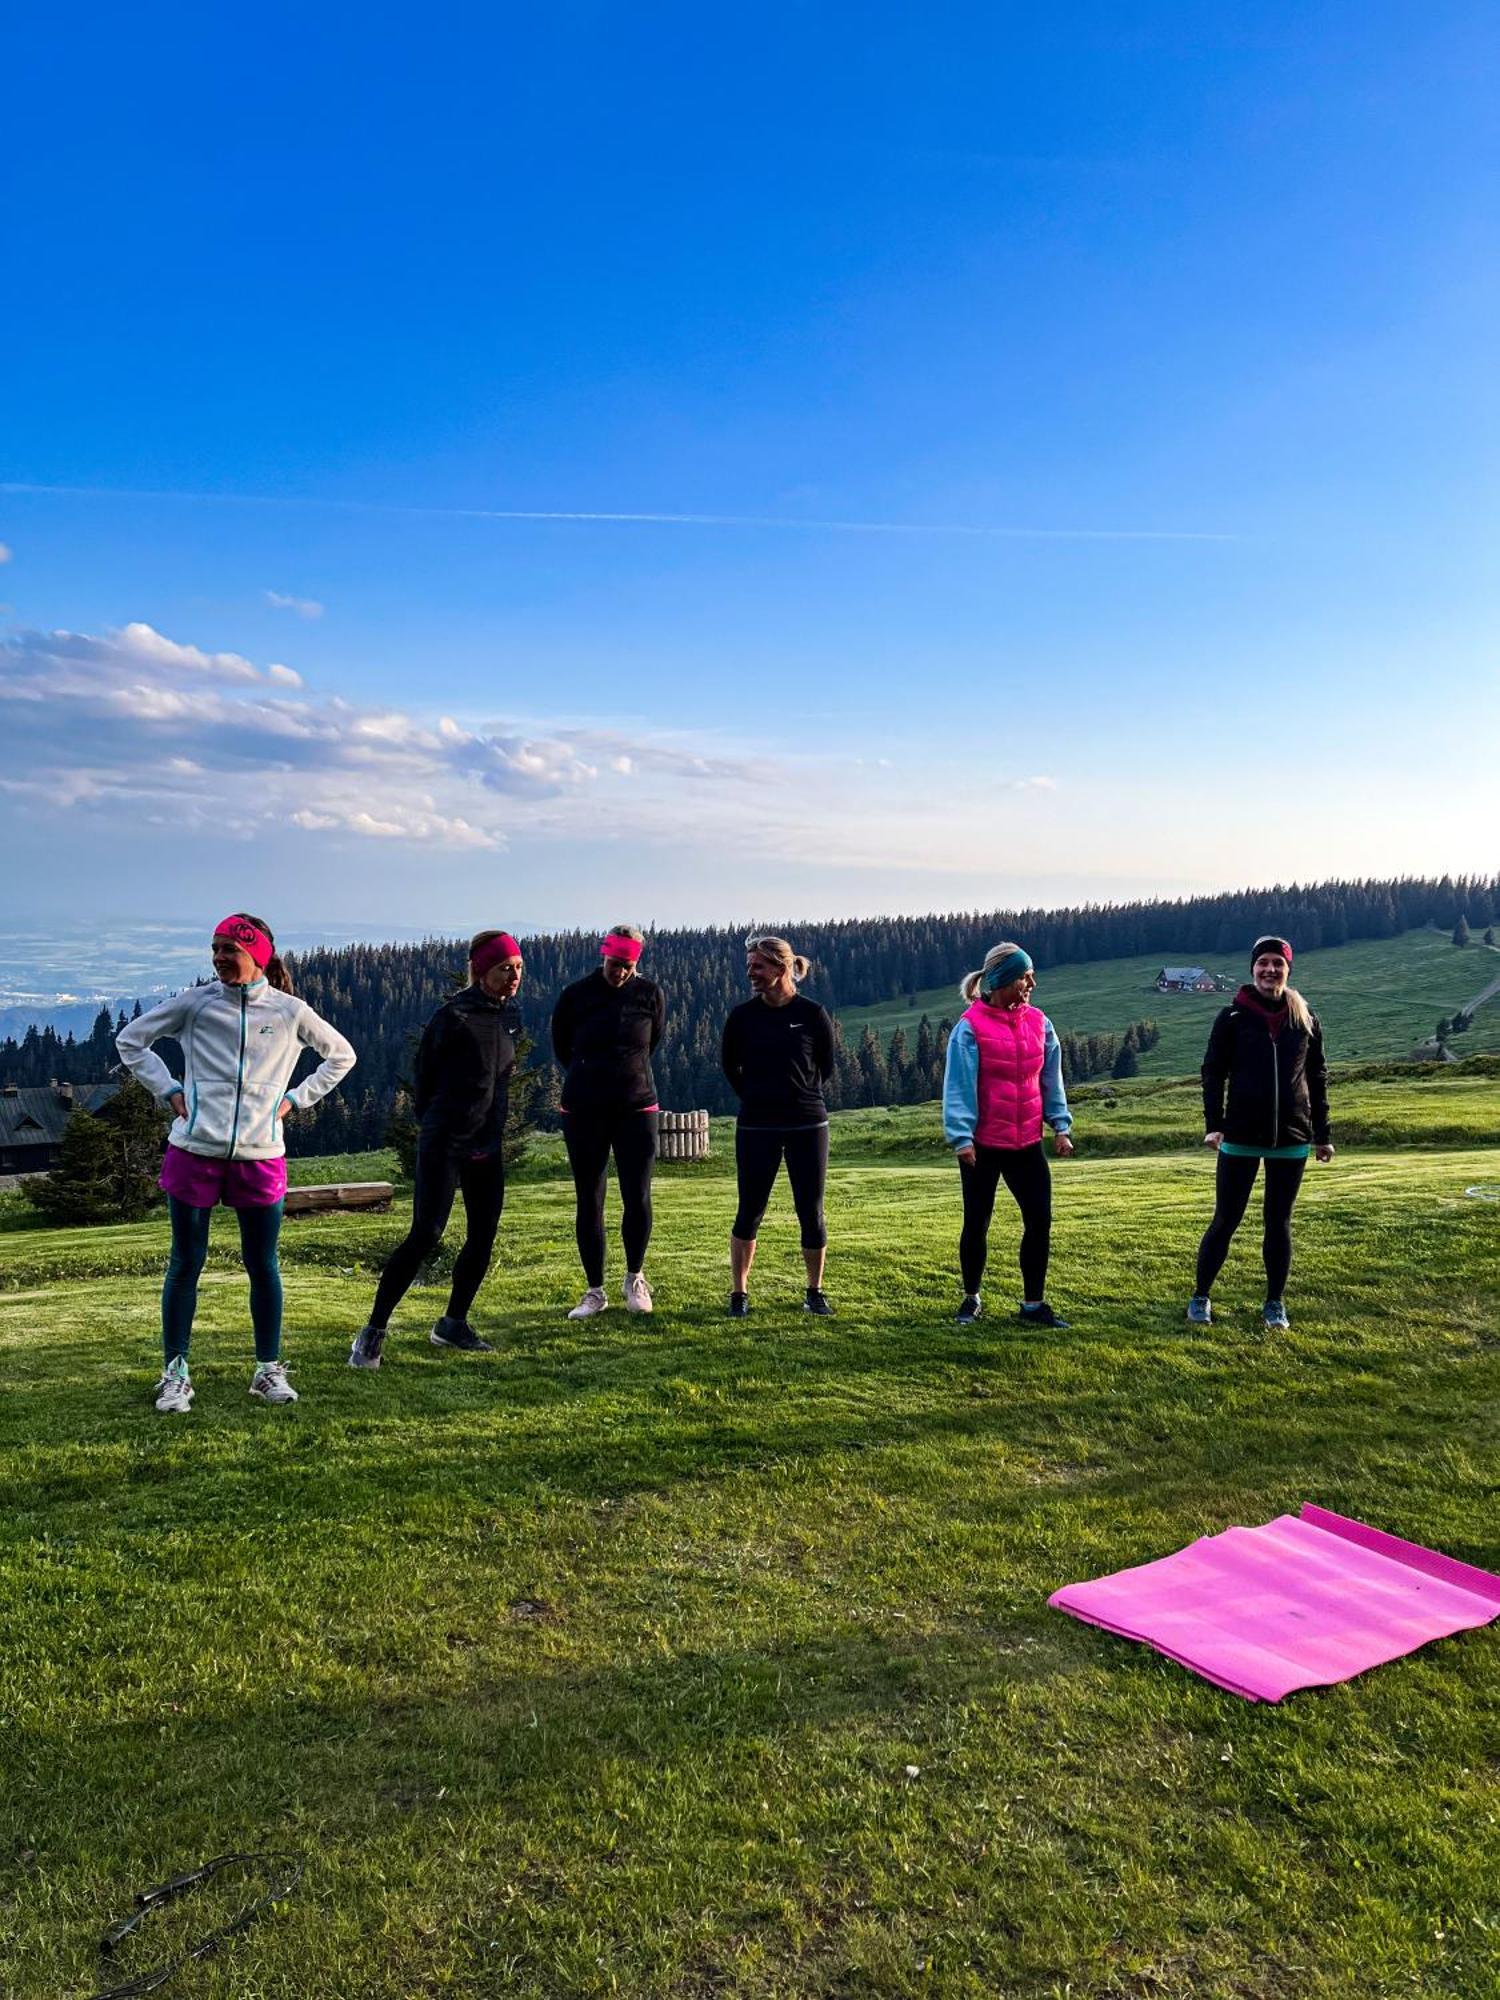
(1302, 1602)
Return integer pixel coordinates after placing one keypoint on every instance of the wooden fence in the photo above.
(682, 1135)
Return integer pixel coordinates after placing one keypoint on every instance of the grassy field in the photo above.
(684, 1658)
(1375, 998)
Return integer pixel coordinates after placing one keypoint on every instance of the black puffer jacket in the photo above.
(602, 1036)
(463, 1070)
(1277, 1084)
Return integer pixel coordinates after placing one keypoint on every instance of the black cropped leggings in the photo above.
(758, 1155)
(1025, 1172)
(439, 1178)
(1233, 1181)
(591, 1137)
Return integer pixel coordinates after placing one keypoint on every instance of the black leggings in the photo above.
(1025, 1172)
(591, 1136)
(757, 1156)
(1234, 1179)
(439, 1178)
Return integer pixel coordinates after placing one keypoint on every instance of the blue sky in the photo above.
(1003, 459)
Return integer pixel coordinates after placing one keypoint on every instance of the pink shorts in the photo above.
(203, 1183)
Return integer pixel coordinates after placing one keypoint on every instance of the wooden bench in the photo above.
(371, 1196)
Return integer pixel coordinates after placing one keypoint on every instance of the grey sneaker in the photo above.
(458, 1333)
(270, 1385)
(1200, 1310)
(594, 1300)
(1273, 1316)
(174, 1392)
(368, 1344)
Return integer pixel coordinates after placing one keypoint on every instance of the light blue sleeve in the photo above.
(1054, 1097)
(961, 1087)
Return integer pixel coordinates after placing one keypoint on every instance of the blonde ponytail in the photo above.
(1297, 1010)
(971, 982)
(781, 955)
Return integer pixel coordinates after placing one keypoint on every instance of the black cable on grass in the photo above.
(286, 1873)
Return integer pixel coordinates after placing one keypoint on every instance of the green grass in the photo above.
(1376, 999)
(597, 1667)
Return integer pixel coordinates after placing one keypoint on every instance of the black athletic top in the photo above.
(1265, 1080)
(463, 1069)
(603, 1035)
(777, 1060)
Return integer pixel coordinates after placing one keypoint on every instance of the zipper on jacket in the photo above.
(1275, 1096)
(239, 1081)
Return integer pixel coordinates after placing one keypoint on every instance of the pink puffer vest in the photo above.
(1012, 1045)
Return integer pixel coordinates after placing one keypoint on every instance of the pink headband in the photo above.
(249, 937)
(491, 952)
(1265, 944)
(628, 949)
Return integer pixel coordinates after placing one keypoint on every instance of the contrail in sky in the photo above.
(587, 517)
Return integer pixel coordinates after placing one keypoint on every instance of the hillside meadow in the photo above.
(682, 1657)
(1376, 998)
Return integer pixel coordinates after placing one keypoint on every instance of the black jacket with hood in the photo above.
(463, 1070)
(1265, 1080)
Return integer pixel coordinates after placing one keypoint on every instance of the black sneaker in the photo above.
(739, 1305)
(817, 1302)
(458, 1333)
(971, 1309)
(1042, 1315)
(368, 1342)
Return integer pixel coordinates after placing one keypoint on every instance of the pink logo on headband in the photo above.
(491, 952)
(249, 937)
(626, 949)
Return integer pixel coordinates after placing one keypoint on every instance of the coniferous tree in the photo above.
(107, 1164)
(873, 1075)
(1461, 932)
(898, 1069)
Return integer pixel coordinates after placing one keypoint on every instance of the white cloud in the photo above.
(136, 722)
(1033, 784)
(5, 552)
(304, 607)
(143, 644)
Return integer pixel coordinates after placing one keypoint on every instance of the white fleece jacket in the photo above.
(240, 1045)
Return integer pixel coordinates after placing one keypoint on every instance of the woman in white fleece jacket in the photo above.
(241, 1037)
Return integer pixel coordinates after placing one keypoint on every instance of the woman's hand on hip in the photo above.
(1062, 1145)
(284, 1107)
(177, 1104)
(1214, 1139)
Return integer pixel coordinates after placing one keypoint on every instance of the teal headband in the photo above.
(1009, 968)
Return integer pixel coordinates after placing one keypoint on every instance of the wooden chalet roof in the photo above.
(36, 1116)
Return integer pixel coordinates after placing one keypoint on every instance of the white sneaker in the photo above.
(594, 1300)
(174, 1392)
(270, 1384)
(637, 1293)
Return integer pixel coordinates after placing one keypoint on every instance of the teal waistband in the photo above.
(1264, 1152)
